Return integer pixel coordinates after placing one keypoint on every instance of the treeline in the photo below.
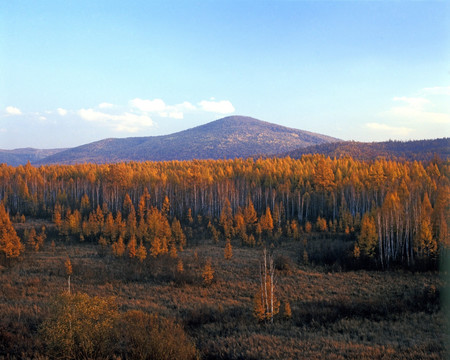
(397, 212)
(419, 150)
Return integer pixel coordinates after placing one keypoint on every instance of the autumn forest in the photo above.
(231, 259)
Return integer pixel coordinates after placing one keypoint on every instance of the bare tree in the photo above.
(266, 304)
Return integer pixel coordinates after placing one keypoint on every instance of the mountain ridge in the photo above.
(21, 156)
(420, 150)
(229, 137)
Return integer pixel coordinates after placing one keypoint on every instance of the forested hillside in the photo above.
(230, 137)
(18, 157)
(396, 212)
(420, 150)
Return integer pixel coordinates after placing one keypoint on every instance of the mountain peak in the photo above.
(240, 120)
(228, 137)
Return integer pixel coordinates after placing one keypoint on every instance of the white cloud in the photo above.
(62, 111)
(220, 107)
(92, 115)
(437, 90)
(105, 105)
(11, 110)
(159, 107)
(417, 115)
(392, 130)
(139, 112)
(42, 118)
(127, 122)
(414, 102)
(186, 105)
(156, 105)
(172, 114)
(417, 110)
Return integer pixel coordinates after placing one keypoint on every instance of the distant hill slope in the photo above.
(18, 157)
(419, 150)
(230, 137)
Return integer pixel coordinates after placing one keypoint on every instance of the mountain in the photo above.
(420, 150)
(18, 157)
(230, 137)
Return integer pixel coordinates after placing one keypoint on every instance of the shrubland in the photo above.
(334, 313)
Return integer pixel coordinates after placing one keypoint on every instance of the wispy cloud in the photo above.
(421, 110)
(156, 105)
(414, 102)
(186, 105)
(137, 115)
(126, 122)
(61, 111)
(437, 90)
(160, 108)
(105, 105)
(11, 110)
(172, 114)
(219, 107)
(389, 129)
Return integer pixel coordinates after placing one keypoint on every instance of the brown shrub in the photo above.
(144, 336)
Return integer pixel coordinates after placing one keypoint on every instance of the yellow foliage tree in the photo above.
(215, 234)
(159, 229)
(226, 219)
(321, 224)
(295, 231)
(156, 246)
(180, 267)
(118, 248)
(250, 216)
(251, 240)
(119, 226)
(368, 238)
(30, 237)
(109, 230)
(267, 221)
(131, 225)
(127, 206)
(165, 209)
(40, 239)
(57, 217)
(143, 205)
(131, 247)
(85, 206)
(240, 229)
(287, 312)
(425, 244)
(208, 273)
(173, 250)
(228, 252)
(141, 252)
(178, 234)
(10, 245)
(308, 227)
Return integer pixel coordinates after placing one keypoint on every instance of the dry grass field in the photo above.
(335, 315)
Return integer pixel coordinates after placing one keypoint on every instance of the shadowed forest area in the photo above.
(228, 259)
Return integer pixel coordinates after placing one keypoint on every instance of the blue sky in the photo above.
(72, 72)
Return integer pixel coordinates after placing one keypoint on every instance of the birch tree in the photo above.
(266, 304)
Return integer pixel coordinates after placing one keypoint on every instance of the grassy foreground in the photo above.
(335, 315)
